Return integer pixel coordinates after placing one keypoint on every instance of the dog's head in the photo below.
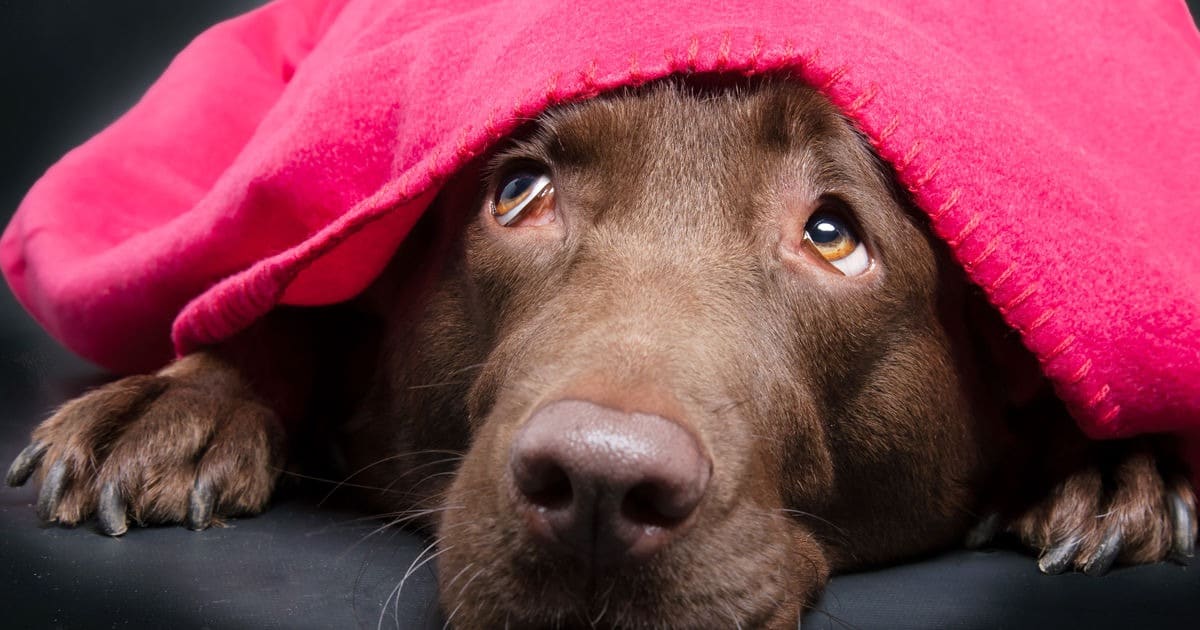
(698, 351)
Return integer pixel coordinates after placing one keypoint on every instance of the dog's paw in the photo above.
(187, 445)
(1125, 502)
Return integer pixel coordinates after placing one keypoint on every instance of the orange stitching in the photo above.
(1112, 413)
(692, 52)
(435, 160)
(462, 151)
(809, 61)
(862, 100)
(490, 127)
(966, 230)
(1101, 394)
(929, 173)
(1081, 372)
(789, 55)
(946, 206)
(889, 129)
(723, 50)
(987, 251)
(552, 86)
(672, 59)
(1021, 297)
(913, 151)
(635, 70)
(834, 77)
(589, 76)
(1060, 348)
(1041, 319)
(756, 52)
(525, 106)
(1004, 276)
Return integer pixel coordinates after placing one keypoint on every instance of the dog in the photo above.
(669, 357)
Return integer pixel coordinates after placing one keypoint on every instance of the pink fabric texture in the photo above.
(284, 155)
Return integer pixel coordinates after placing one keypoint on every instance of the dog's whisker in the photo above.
(438, 384)
(836, 619)
(390, 525)
(801, 513)
(448, 383)
(358, 486)
(769, 438)
(451, 583)
(728, 407)
(444, 473)
(412, 517)
(458, 575)
(737, 623)
(462, 591)
(418, 562)
(603, 608)
(346, 482)
(409, 471)
(467, 368)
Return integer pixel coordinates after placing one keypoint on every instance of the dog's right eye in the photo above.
(830, 233)
(524, 199)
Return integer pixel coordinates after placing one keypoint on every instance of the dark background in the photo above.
(68, 68)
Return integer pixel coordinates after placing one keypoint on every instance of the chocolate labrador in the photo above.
(668, 358)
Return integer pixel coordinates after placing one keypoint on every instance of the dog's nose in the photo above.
(608, 484)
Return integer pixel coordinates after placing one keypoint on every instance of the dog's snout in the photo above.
(608, 484)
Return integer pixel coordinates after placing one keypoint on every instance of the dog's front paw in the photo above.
(189, 444)
(1126, 502)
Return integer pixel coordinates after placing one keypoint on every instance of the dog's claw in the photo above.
(1105, 555)
(984, 532)
(112, 511)
(200, 507)
(25, 463)
(52, 490)
(1056, 559)
(1183, 523)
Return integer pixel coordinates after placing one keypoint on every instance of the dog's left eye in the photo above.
(524, 198)
(834, 238)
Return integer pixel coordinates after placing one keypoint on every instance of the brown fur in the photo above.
(850, 421)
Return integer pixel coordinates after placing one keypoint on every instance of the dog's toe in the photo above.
(25, 464)
(200, 506)
(51, 494)
(1124, 507)
(112, 511)
(1105, 553)
(1058, 558)
(184, 447)
(1182, 503)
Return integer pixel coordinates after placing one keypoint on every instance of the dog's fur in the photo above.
(849, 421)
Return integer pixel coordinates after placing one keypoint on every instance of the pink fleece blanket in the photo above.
(284, 154)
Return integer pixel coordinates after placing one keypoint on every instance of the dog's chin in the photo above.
(746, 570)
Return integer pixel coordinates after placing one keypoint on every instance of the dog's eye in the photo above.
(834, 238)
(524, 198)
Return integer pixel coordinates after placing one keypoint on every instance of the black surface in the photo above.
(69, 67)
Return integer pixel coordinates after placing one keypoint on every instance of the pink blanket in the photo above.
(284, 154)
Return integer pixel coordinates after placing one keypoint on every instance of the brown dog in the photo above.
(669, 358)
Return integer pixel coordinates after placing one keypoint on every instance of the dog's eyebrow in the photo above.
(551, 141)
(793, 119)
(801, 122)
(583, 133)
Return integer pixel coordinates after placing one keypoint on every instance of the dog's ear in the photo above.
(1007, 367)
(429, 245)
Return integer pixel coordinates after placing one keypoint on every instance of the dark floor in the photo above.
(69, 67)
